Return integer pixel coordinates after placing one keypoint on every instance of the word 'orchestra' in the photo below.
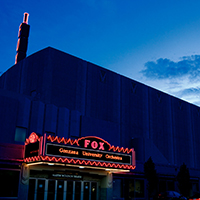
(84, 153)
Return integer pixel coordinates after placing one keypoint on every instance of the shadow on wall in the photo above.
(145, 148)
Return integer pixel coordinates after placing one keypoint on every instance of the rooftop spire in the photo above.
(26, 15)
(22, 42)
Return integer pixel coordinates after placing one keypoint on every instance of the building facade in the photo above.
(59, 95)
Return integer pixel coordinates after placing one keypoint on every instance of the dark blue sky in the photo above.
(154, 42)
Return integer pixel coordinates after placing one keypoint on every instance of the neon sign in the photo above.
(94, 143)
(32, 138)
(87, 154)
(90, 150)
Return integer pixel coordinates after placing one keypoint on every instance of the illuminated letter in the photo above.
(101, 145)
(94, 144)
(86, 143)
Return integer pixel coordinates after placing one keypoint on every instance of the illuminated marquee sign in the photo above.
(90, 151)
(81, 153)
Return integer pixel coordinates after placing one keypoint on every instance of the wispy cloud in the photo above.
(181, 78)
(164, 68)
(191, 94)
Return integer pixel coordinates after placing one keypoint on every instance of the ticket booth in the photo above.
(65, 169)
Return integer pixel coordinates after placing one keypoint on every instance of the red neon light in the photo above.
(94, 145)
(76, 142)
(94, 137)
(86, 143)
(44, 144)
(40, 146)
(120, 149)
(195, 199)
(25, 20)
(133, 158)
(79, 162)
(62, 140)
(32, 138)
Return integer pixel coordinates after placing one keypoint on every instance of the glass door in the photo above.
(69, 195)
(93, 191)
(60, 190)
(31, 190)
(77, 191)
(40, 189)
(45, 189)
(86, 189)
(51, 190)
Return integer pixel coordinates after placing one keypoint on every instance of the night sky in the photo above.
(155, 42)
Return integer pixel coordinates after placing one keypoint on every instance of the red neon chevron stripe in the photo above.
(79, 162)
(75, 142)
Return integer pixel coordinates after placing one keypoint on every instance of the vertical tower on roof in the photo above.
(22, 42)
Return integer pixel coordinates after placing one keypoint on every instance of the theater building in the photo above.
(73, 130)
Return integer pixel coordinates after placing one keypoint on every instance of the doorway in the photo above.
(49, 189)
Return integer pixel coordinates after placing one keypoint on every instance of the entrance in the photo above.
(45, 189)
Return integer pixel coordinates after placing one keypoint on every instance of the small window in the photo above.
(139, 188)
(131, 189)
(20, 134)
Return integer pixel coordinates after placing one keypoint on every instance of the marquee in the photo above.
(85, 151)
